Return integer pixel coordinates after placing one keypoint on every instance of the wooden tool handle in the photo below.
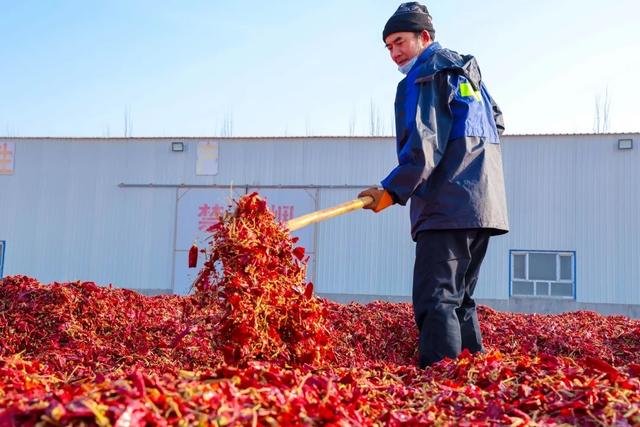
(321, 215)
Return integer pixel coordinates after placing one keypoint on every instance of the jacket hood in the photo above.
(448, 60)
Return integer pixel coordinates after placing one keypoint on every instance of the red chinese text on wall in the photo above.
(208, 215)
(283, 213)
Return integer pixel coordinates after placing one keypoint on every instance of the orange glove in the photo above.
(381, 199)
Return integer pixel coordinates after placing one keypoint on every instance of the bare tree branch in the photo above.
(307, 125)
(128, 122)
(376, 122)
(226, 129)
(601, 119)
(352, 123)
(11, 131)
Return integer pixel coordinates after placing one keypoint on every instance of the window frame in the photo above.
(558, 254)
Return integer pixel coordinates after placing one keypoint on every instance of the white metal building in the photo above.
(125, 211)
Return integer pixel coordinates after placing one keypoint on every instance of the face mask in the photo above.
(404, 69)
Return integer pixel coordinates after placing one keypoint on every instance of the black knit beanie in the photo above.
(410, 17)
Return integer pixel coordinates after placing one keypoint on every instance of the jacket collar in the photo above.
(430, 50)
(423, 57)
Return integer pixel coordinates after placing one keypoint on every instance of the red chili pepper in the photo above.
(308, 291)
(299, 252)
(193, 255)
(254, 346)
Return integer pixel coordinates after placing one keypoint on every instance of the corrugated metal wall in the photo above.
(364, 253)
(65, 217)
(578, 193)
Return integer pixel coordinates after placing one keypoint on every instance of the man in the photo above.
(450, 168)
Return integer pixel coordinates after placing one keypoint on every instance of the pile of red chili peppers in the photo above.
(254, 346)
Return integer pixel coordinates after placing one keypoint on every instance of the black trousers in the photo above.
(444, 278)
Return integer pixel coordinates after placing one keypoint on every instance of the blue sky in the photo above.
(273, 68)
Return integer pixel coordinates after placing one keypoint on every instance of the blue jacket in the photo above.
(448, 143)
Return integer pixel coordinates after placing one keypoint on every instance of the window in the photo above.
(549, 274)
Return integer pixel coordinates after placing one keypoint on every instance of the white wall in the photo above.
(65, 217)
(576, 193)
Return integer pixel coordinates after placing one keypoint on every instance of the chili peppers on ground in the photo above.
(254, 346)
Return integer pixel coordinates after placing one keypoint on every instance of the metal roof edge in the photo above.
(237, 138)
(573, 134)
(220, 138)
